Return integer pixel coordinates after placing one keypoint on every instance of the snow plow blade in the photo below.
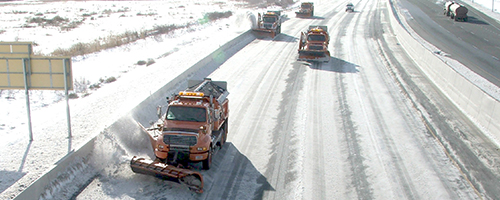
(303, 14)
(314, 56)
(263, 33)
(191, 179)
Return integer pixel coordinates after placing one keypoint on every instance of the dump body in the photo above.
(313, 44)
(193, 126)
(458, 12)
(306, 10)
(269, 24)
(349, 7)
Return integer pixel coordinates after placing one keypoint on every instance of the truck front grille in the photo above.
(183, 140)
(315, 47)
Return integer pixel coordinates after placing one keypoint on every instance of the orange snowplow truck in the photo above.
(193, 127)
(313, 44)
(306, 10)
(269, 24)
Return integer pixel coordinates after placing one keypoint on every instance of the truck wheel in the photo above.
(206, 163)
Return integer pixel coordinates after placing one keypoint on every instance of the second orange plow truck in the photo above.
(306, 10)
(313, 44)
(192, 129)
(268, 24)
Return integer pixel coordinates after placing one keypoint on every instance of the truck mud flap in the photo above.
(191, 179)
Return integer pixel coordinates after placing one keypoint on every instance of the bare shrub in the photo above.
(161, 29)
(150, 62)
(72, 25)
(110, 79)
(73, 96)
(147, 14)
(95, 86)
(107, 11)
(127, 37)
(79, 49)
(88, 14)
(80, 86)
(126, 9)
(57, 20)
(218, 15)
(19, 12)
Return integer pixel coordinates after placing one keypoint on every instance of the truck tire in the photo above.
(207, 162)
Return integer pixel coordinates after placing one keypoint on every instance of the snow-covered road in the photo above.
(366, 125)
(352, 128)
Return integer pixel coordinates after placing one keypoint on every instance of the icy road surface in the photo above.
(366, 125)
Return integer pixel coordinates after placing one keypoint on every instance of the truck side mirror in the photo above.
(158, 111)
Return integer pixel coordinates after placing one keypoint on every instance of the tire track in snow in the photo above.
(233, 182)
(359, 177)
(401, 173)
(318, 149)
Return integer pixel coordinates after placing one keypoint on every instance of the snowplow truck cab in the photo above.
(313, 44)
(306, 10)
(349, 7)
(193, 126)
(195, 123)
(269, 24)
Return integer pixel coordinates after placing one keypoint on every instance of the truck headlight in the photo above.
(201, 148)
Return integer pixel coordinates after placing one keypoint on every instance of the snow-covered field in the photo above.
(98, 20)
(101, 19)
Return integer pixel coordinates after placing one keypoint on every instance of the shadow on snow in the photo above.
(334, 65)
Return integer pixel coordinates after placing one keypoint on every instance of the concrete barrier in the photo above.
(482, 106)
(141, 113)
(37, 188)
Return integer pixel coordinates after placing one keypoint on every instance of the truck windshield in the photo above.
(316, 38)
(306, 6)
(269, 19)
(182, 113)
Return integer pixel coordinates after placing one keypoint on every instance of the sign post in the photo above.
(20, 69)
